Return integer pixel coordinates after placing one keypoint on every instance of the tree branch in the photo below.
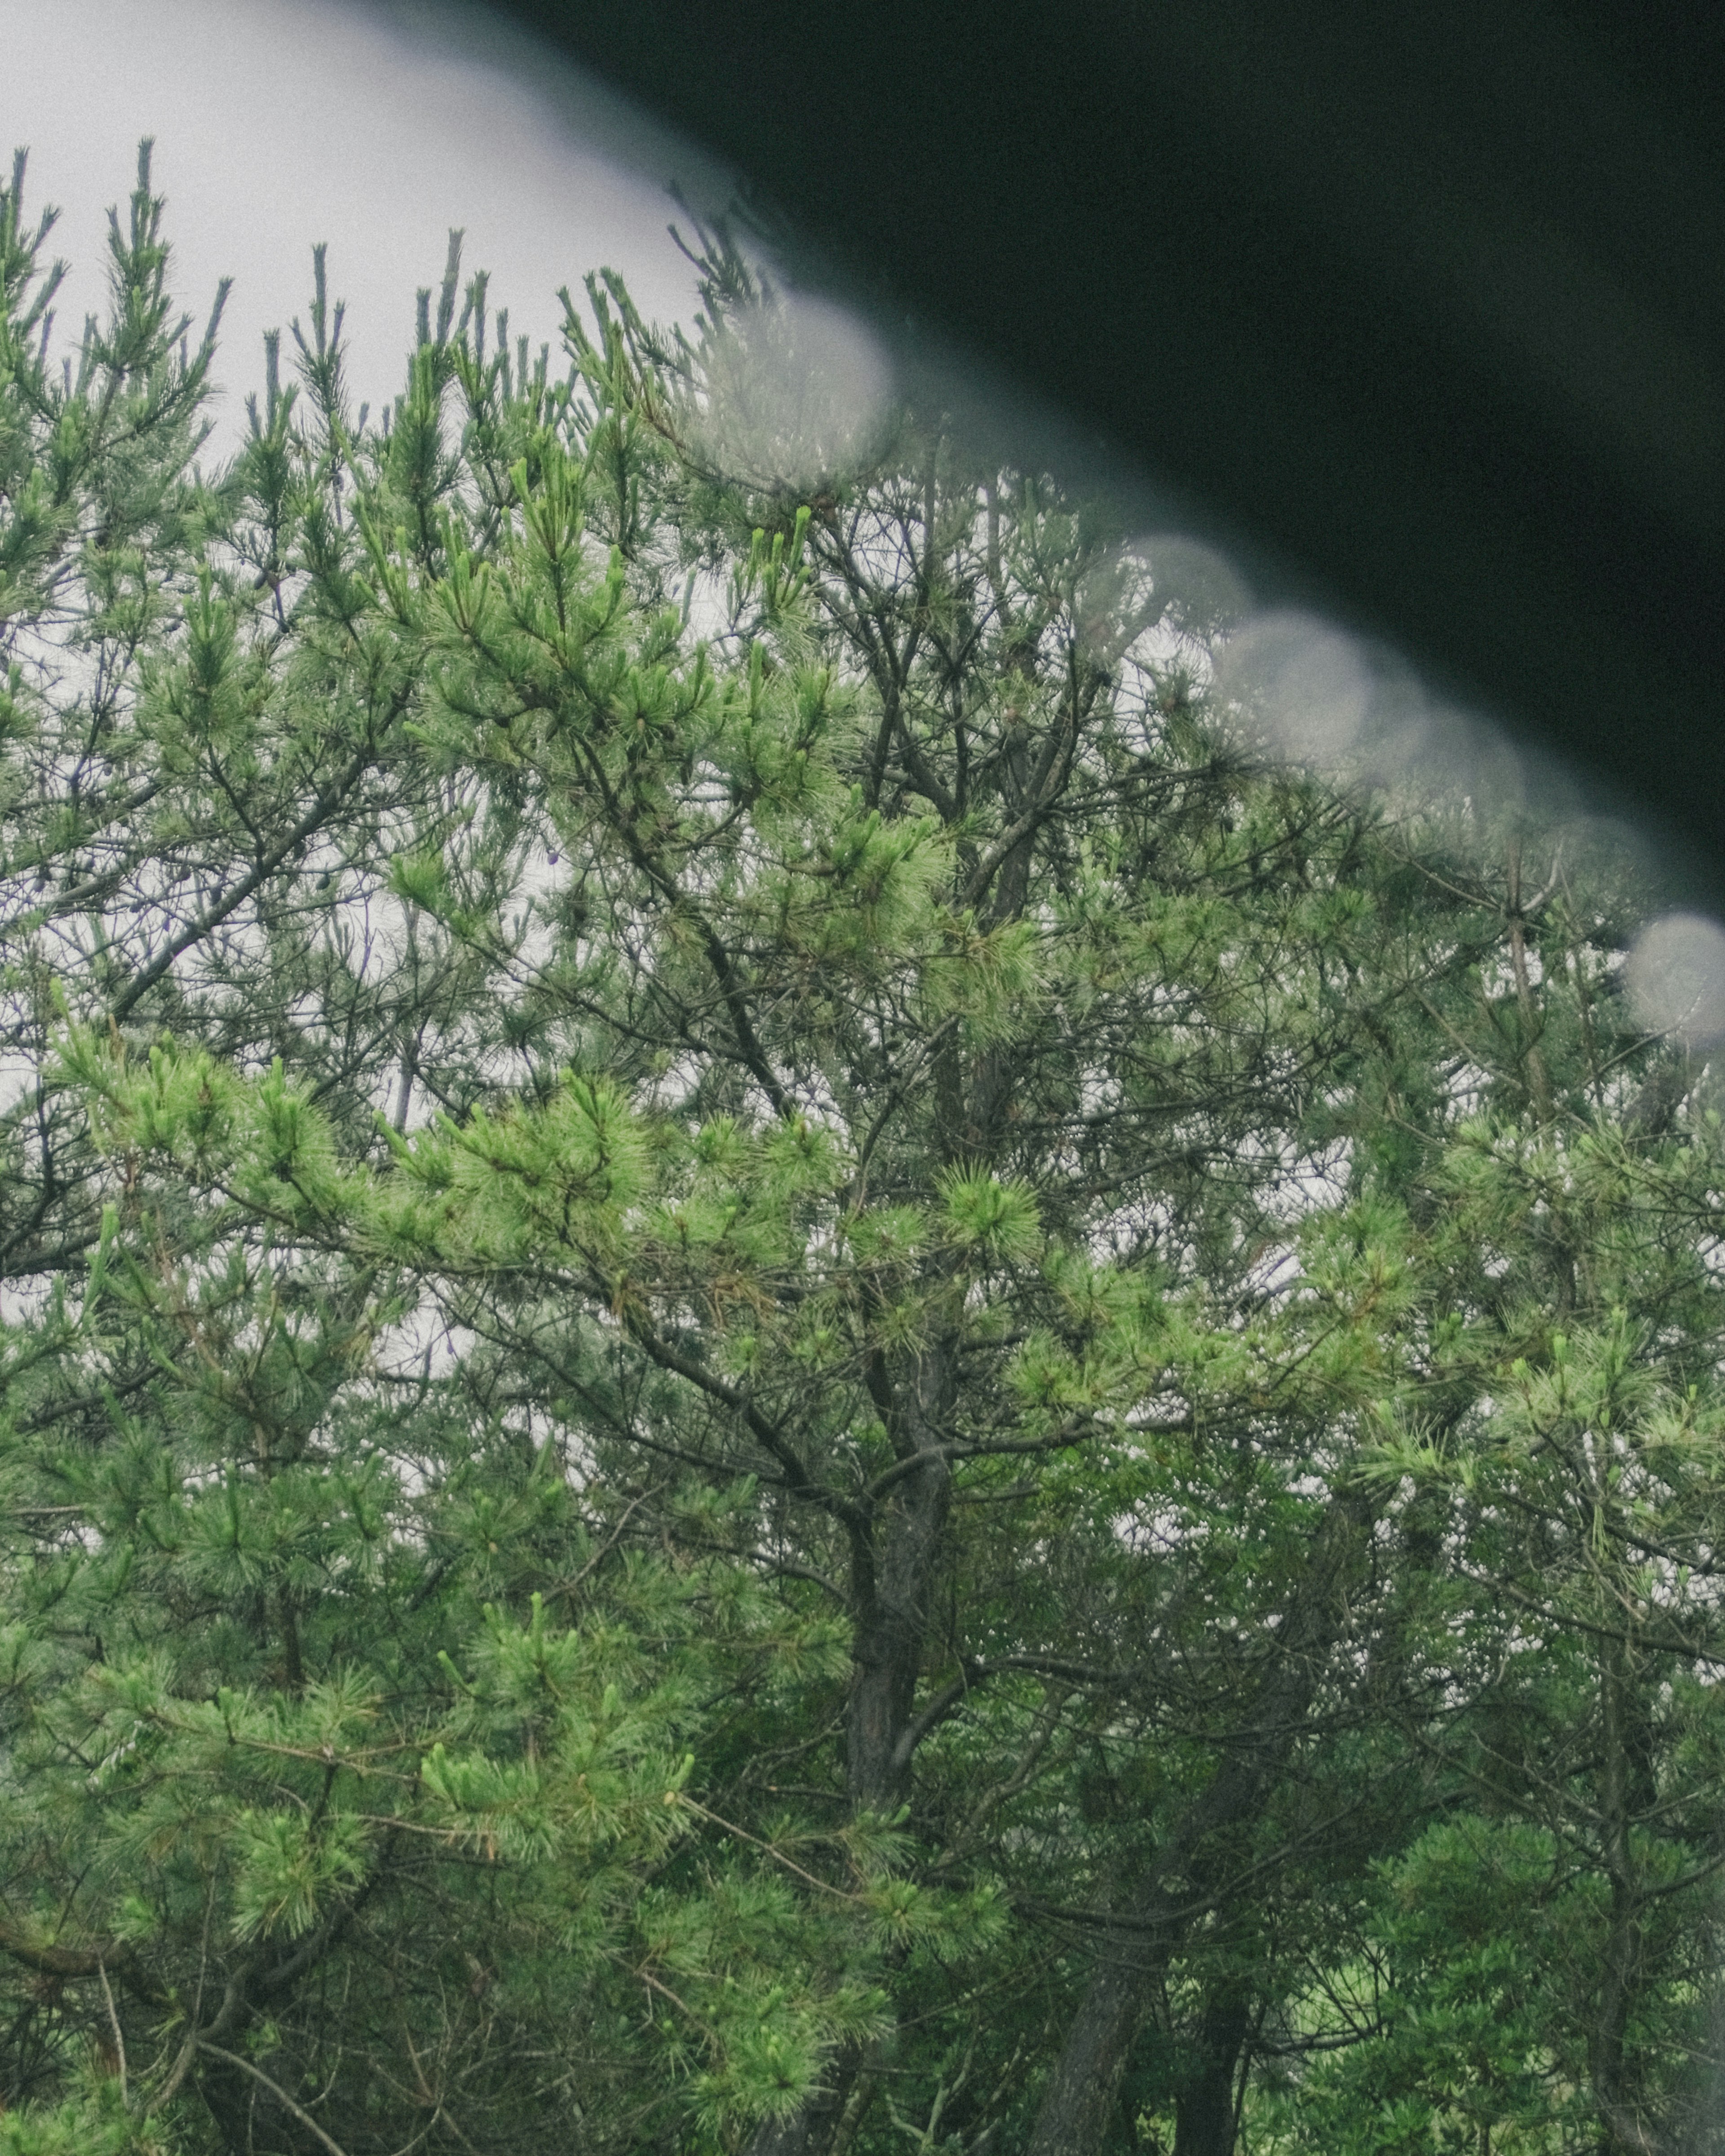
(798, 1479)
(325, 799)
(276, 2090)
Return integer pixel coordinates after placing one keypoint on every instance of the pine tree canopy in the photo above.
(783, 1366)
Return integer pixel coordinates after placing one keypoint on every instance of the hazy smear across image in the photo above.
(1675, 976)
(379, 128)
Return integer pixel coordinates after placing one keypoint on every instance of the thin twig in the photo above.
(275, 2089)
(118, 2039)
(742, 1834)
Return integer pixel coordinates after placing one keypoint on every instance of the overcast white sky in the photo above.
(374, 126)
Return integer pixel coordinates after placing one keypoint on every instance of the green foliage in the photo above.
(745, 1302)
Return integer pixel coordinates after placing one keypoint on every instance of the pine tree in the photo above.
(351, 1738)
(782, 1368)
(1552, 1938)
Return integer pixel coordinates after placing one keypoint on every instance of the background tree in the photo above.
(1543, 1959)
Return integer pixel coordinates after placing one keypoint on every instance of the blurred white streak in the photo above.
(1200, 591)
(1675, 975)
(1301, 683)
(798, 389)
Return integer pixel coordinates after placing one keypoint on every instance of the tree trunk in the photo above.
(892, 1580)
(1080, 2098)
(893, 1573)
(1623, 2130)
(1205, 2115)
(1085, 2087)
(891, 1624)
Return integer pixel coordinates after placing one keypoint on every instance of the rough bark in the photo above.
(1084, 2091)
(891, 1588)
(1205, 2117)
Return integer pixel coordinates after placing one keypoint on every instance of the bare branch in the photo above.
(276, 2090)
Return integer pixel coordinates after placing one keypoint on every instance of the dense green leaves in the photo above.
(782, 1371)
